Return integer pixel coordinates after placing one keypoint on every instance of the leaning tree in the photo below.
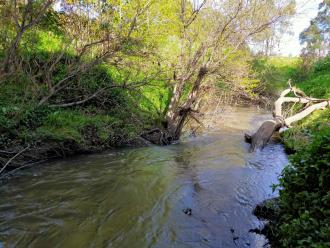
(211, 32)
(307, 106)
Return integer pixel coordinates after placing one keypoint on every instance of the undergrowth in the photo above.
(304, 217)
(112, 118)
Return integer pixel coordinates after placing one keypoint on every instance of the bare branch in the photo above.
(81, 101)
(12, 158)
(194, 15)
(306, 112)
(267, 129)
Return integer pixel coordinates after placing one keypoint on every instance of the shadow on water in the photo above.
(137, 197)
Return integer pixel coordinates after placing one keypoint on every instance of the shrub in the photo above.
(305, 196)
(304, 218)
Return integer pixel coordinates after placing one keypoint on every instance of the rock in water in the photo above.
(187, 211)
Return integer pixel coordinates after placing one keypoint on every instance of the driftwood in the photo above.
(157, 136)
(269, 127)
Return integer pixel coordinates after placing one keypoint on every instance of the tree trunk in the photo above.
(172, 112)
(306, 112)
(264, 133)
(12, 51)
(269, 127)
(177, 115)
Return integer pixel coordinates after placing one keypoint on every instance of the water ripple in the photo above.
(136, 197)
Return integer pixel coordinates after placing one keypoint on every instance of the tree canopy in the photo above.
(316, 37)
(180, 45)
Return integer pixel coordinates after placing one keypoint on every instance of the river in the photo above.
(138, 197)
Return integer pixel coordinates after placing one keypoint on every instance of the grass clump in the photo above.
(296, 138)
(69, 124)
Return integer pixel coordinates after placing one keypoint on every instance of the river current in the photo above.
(197, 193)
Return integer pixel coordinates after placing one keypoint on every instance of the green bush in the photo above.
(305, 196)
(304, 218)
(316, 80)
(274, 73)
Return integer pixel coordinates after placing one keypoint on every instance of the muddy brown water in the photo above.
(136, 197)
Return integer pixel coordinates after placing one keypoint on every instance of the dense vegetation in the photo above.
(303, 215)
(273, 73)
(72, 96)
(89, 75)
(81, 76)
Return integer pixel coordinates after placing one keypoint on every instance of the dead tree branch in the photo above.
(12, 158)
(269, 127)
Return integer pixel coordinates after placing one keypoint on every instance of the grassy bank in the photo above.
(304, 203)
(114, 117)
(274, 72)
(113, 120)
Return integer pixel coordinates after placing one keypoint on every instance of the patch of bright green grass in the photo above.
(69, 124)
(317, 83)
(274, 72)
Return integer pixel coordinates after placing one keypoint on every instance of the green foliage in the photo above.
(115, 116)
(305, 184)
(42, 43)
(70, 124)
(153, 100)
(305, 195)
(118, 116)
(274, 72)
(323, 65)
(299, 136)
(316, 36)
(317, 86)
(317, 82)
(251, 85)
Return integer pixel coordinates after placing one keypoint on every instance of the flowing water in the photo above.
(136, 197)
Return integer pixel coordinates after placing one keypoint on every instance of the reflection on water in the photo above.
(135, 197)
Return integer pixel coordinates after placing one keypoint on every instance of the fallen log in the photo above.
(269, 127)
(263, 135)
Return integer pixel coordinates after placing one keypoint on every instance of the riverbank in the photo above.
(138, 197)
(300, 217)
(59, 99)
(42, 133)
(115, 117)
